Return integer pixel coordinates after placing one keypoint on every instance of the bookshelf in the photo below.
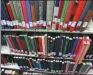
(37, 30)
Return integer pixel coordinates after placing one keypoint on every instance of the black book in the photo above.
(78, 67)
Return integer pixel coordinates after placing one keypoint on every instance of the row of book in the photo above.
(14, 72)
(47, 65)
(58, 46)
(53, 14)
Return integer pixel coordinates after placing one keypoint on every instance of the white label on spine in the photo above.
(37, 22)
(73, 24)
(20, 24)
(16, 22)
(23, 22)
(44, 23)
(56, 11)
(3, 22)
(61, 23)
(8, 23)
(79, 23)
(27, 25)
(85, 24)
(49, 22)
(41, 21)
(69, 23)
(11, 24)
(65, 25)
(30, 23)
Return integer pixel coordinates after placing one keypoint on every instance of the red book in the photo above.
(24, 9)
(40, 44)
(23, 44)
(78, 12)
(69, 11)
(80, 51)
(11, 43)
(19, 43)
(10, 11)
(77, 47)
(60, 8)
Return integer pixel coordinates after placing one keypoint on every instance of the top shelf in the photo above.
(47, 31)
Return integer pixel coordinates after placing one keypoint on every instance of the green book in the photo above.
(85, 68)
(64, 10)
(65, 45)
(28, 43)
(13, 10)
(20, 10)
(15, 3)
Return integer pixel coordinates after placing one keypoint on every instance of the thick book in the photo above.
(88, 16)
(64, 11)
(85, 50)
(23, 43)
(84, 12)
(68, 14)
(24, 9)
(49, 13)
(10, 11)
(80, 51)
(12, 45)
(13, 10)
(15, 4)
(75, 40)
(77, 46)
(20, 45)
(78, 12)
(61, 3)
(21, 23)
(16, 44)
(40, 44)
(32, 6)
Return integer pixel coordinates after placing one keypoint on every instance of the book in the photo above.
(77, 46)
(87, 17)
(32, 6)
(49, 13)
(24, 9)
(61, 3)
(68, 14)
(78, 12)
(64, 11)
(84, 12)
(10, 11)
(29, 13)
(21, 23)
(23, 43)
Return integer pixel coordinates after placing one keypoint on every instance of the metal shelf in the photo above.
(54, 58)
(36, 71)
(47, 31)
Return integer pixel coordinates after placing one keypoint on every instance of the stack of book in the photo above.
(48, 65)
(76, 47)
(62, 15)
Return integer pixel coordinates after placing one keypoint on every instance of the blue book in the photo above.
(74, 45)
(29, 11)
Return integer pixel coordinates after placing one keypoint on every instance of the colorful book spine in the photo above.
(24, 9)
(29, 13)
(68, 14)
(84, 12)
(50, 7)
(78, 12)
